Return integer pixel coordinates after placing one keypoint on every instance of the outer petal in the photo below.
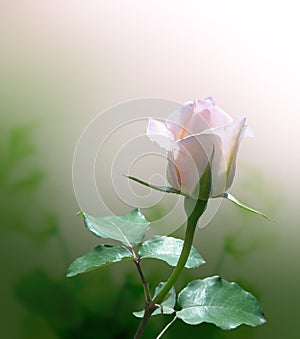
(158, 132)
(230, 137)
(232, 165)
(191, 157)
(173, 174)
(178, 121)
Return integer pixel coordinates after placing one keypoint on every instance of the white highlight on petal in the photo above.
(249, 133)
(158, 132)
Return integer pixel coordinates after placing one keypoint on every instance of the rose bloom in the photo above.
(197, 133)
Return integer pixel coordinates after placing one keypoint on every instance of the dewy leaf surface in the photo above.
(214, 300)
(168, 249)
(129, 229)
(100, 256)
(167, 306)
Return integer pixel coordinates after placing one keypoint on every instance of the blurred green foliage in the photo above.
(20, 177)
(80, 308)
(15, 150)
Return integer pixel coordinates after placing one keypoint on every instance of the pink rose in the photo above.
(192, 135)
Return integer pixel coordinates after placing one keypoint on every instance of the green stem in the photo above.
(194, 209)
(194, 214)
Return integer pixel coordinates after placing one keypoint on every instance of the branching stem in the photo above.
(194, 209)
(148, 297)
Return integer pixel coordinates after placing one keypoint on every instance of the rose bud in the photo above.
(196, 134)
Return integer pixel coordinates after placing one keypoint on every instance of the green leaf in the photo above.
(168, 249)
(214, 300)
(240, 204)
(129, 229)
(166, 189)
(166, 307)
(100, 256)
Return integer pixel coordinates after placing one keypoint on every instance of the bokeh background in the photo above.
(62, 63)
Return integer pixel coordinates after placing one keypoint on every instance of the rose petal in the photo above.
(173, 175)
(232, 166)
(249, 133)
(230, 137)
(158, 132)
(179, 120)
(195, 117)
(191, 157)
(211, 115)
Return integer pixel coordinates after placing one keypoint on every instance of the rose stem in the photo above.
(198, 209)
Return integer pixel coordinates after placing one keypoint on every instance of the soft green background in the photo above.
(63, 62)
